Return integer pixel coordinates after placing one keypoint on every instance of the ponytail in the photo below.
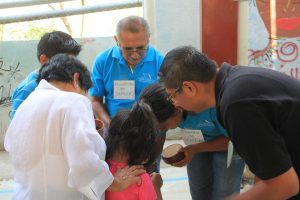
(134, 133)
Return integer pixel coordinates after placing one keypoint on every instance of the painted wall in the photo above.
(274, 36)
(177, 23)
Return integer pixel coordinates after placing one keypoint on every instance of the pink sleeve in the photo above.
(146, 189)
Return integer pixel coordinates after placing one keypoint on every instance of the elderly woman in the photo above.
(54, 146)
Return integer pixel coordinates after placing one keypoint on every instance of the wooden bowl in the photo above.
(171, 155)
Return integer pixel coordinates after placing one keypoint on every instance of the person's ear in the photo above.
(76, 80)
(189, 88)
(43, 59)
(116, 39)
(178, 109)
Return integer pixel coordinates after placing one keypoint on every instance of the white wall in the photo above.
(176, 23)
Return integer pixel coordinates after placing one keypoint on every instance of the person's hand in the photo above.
(188, 155)
(129, 175)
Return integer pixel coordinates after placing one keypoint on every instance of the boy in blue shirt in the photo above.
(49, 45)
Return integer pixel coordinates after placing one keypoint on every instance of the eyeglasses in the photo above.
(171, 96)
(139, 50)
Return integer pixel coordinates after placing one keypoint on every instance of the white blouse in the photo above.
(55, 149)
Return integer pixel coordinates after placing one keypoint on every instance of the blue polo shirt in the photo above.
(110, 66)
(23, 91)
(205, 121)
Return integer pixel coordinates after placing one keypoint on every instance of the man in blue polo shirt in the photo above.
(120, 73)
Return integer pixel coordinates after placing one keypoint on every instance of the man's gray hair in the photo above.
(133, 24)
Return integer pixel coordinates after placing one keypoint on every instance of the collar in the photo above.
(45, 85)
(222, 75)
(220, 80)
(116, 164)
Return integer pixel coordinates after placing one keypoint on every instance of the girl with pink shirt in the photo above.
(131, 140)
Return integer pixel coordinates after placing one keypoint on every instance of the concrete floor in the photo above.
(175, 181)
(175, 186)
(6, 174)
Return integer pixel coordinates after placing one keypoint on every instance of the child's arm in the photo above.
(149, 189)
(157, 183)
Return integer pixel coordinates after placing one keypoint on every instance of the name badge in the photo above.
(229, 153)
(191, 136)
(124, 89)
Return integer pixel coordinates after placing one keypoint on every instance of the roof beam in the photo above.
(72, 11)
(21, 3)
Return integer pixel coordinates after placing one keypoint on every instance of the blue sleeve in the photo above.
(181, 125)
(160, 59)
(23, 91)
(207, 122)
(97, 89)
(17, 99)
(222, 131)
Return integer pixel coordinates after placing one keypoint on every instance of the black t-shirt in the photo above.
(260, 108)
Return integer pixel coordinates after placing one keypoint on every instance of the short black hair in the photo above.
(62, 67)
(57, 42)
(186, 63)
(134, 133)
(156, 97)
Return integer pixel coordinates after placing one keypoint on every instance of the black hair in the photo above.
(57, 42)
(133, 133)
(156, 96)
(186, 63)
(62, 67)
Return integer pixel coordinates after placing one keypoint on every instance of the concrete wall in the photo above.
(177, 23)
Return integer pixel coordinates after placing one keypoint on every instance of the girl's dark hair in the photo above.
(134, 134)
(156, 97)
(62, 67)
